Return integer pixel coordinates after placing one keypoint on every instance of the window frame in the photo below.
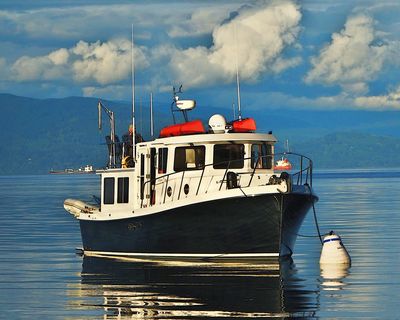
(222, 163)
(123, 190)
(162, 161)
(266, 154)
(199, 158)
(109, 190)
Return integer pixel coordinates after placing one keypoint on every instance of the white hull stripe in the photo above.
(182, 255)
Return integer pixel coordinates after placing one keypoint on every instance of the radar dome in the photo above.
(217, 123)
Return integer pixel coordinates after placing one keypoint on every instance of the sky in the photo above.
(311, 54)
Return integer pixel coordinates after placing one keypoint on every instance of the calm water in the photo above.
(41, 277)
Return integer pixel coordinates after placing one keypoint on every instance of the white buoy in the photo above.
(333, 251)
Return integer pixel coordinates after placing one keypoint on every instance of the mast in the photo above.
(112, 125)
(111, 116)
(141, 115)
(133, 100)
(237, 76)
(151, 116)
(238, 90)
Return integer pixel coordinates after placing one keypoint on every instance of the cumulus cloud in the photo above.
(354, 57)
(200, 22)
(59, 57)
(49, 67)
(98, 62)
(341, 100)
(256, 38)
(256, 35)
(92, 18)
(278, 99)
(105, 63)
(110, 91)
(388, 101)
(71, 21)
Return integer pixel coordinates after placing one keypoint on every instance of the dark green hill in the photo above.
(352, 149)
(40, 135)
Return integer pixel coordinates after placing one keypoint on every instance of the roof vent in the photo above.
(217, 123)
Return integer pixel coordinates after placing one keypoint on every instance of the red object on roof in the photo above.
(191, 127)
(244, 125)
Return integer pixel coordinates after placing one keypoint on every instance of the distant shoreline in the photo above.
(71, 172)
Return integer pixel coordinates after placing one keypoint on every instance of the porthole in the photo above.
(186, 189)
(169, 191)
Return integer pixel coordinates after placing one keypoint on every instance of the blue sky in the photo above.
(290, 54)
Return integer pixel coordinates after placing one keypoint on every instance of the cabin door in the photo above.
(147, 176)
(152, 176)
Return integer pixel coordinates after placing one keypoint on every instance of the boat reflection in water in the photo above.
(122, 288)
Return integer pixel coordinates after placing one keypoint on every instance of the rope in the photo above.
(315, 214)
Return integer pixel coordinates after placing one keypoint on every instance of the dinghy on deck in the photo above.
(77, 207)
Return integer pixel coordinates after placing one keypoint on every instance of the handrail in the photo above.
(306, 171)
(226, 172)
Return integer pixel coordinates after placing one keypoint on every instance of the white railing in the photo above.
(175, 186)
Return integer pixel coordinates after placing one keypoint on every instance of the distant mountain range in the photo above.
(40, 135)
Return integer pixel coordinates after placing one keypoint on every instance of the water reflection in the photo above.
(333, 276)
(154, 290)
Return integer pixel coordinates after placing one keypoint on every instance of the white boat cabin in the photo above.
(171, 169)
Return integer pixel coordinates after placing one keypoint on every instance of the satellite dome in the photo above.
(217, 123)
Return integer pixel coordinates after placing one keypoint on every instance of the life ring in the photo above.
(127, 162)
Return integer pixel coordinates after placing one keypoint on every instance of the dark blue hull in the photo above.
(256, 226)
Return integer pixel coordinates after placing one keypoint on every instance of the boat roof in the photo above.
(213, 138)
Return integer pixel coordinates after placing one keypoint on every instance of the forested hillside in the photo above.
(40, 135)
(352, 150)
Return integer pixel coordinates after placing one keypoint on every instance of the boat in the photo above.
(283, 164)
(86, 169)
(193, 193)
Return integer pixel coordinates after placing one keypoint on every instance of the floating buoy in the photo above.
(333, 251)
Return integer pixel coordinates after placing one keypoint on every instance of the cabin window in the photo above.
(228, 156)
(162, 160)
(261, 156)
(108, 190)
(189, 158)
(123, 190)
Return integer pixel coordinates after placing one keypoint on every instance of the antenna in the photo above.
(141, 115)
(175, 99)
(151, 116)
(133, 99)
(111, 116)
(181, 105)
(287, 145)
(237, 75)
